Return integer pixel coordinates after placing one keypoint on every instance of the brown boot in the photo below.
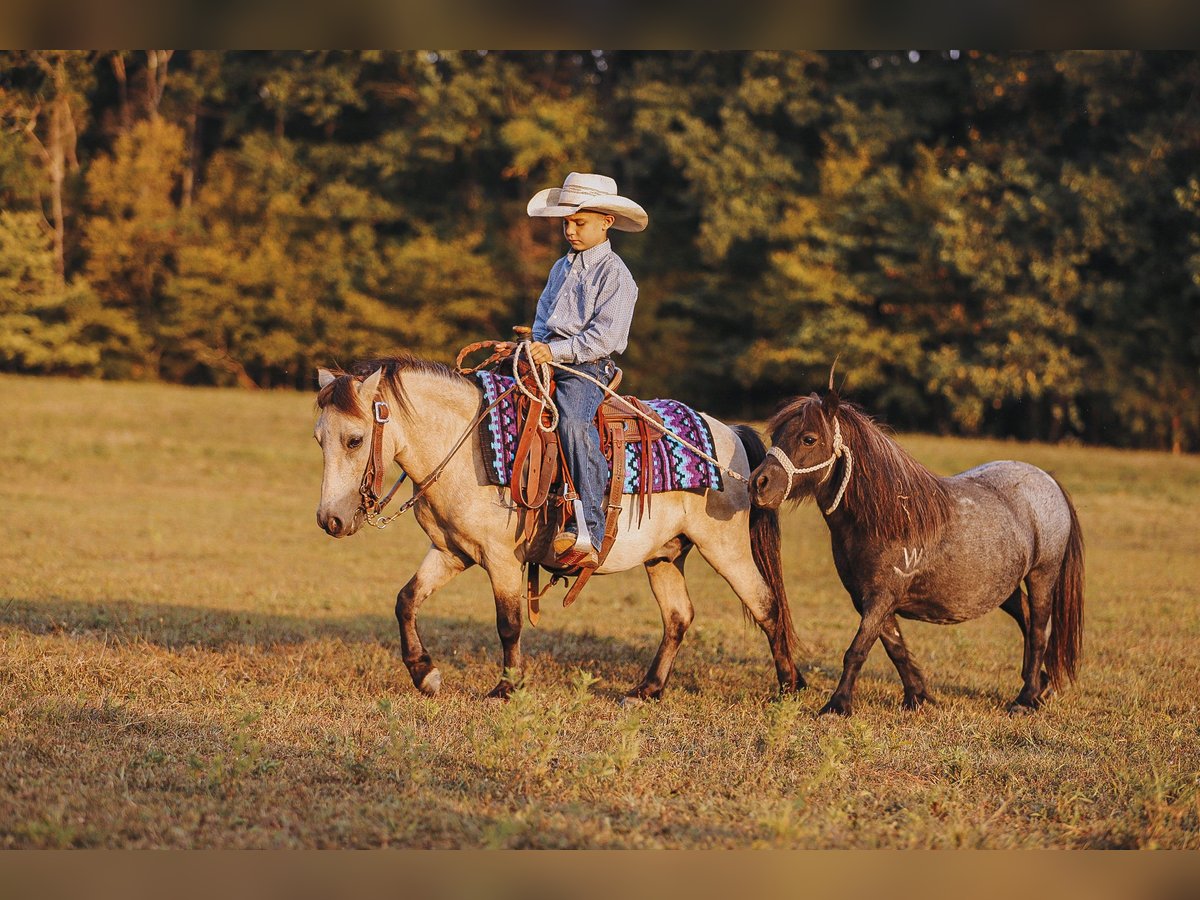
(573, 558)
(564, 542)
(565, 553)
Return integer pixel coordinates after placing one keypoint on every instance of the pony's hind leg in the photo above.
(769, 612)
(1016, 607)
(1036, 680)
(435, 570)
(915, 694)
(665, 572)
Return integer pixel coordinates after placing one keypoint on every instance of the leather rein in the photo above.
(371, 503)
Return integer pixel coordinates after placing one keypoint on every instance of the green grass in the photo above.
(187, 661)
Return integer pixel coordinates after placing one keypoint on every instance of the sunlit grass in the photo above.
(186, 660)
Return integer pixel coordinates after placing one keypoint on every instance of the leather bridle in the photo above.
(371, 505)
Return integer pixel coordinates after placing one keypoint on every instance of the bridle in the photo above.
(840, 449)
(371, 505)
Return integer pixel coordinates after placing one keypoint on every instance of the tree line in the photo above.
(1002, 244)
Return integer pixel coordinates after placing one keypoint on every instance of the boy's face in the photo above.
(584, 230)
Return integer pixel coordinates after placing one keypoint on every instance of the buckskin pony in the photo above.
(909, 543)
(471, 521)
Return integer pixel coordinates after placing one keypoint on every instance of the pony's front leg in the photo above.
(915, 694)
(875, 612)
(508, 586)
(438, 567)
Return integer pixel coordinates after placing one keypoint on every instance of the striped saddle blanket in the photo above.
(673, 466)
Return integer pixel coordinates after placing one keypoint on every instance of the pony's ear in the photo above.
(370, 386)
(830, 402)
(325, 377)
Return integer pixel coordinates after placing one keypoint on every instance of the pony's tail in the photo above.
(765, 544)
(1066, 608)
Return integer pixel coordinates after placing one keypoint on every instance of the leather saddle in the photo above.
(543, 488)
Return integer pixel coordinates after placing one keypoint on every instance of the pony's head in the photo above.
(805, 433)
(343, 431)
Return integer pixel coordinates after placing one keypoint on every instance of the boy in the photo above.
(583, 317)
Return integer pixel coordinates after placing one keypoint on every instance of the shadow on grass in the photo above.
(192, 784)
(173, 627)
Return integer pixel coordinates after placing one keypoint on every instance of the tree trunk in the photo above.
(188, 184)
(57, 162)
(156, 78)
(118, 67)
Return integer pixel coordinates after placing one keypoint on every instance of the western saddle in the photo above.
(543, 488)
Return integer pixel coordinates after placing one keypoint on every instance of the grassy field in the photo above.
(187, 661)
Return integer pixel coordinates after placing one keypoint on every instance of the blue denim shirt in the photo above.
(586, 308)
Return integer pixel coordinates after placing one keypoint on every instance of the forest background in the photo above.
(992, 244)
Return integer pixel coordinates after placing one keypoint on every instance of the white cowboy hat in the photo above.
(590, 193)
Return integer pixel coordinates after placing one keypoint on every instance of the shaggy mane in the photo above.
(891, 496)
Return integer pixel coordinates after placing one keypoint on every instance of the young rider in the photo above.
(583, 318)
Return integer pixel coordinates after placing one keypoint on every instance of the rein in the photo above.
(372, 505)
(840, 449)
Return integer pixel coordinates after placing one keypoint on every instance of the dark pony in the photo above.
(909, 543)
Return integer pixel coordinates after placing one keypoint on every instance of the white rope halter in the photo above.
(840, 449)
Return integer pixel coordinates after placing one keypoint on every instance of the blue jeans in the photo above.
(577, 402)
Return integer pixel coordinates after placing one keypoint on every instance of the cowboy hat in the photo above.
(589, 193)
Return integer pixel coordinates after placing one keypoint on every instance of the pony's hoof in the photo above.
(1021, 708)
(916, 701)
(835, 707)
(500, 692)
(640, 694)
(431, 683)
(791, 688)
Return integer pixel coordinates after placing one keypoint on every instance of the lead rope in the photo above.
(542, 380)
(840, 449)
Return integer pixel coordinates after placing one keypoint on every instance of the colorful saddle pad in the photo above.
(673, 466)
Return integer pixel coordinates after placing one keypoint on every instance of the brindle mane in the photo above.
(342, 395)
(892, 497)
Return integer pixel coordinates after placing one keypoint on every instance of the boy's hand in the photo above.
(540, 352)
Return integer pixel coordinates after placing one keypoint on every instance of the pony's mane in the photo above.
(893, 497)
(342, 393)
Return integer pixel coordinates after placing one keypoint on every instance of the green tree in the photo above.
(135, 230)
(46, 101)
(46, 326)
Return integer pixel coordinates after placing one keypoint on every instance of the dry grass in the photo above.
(187, 661)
